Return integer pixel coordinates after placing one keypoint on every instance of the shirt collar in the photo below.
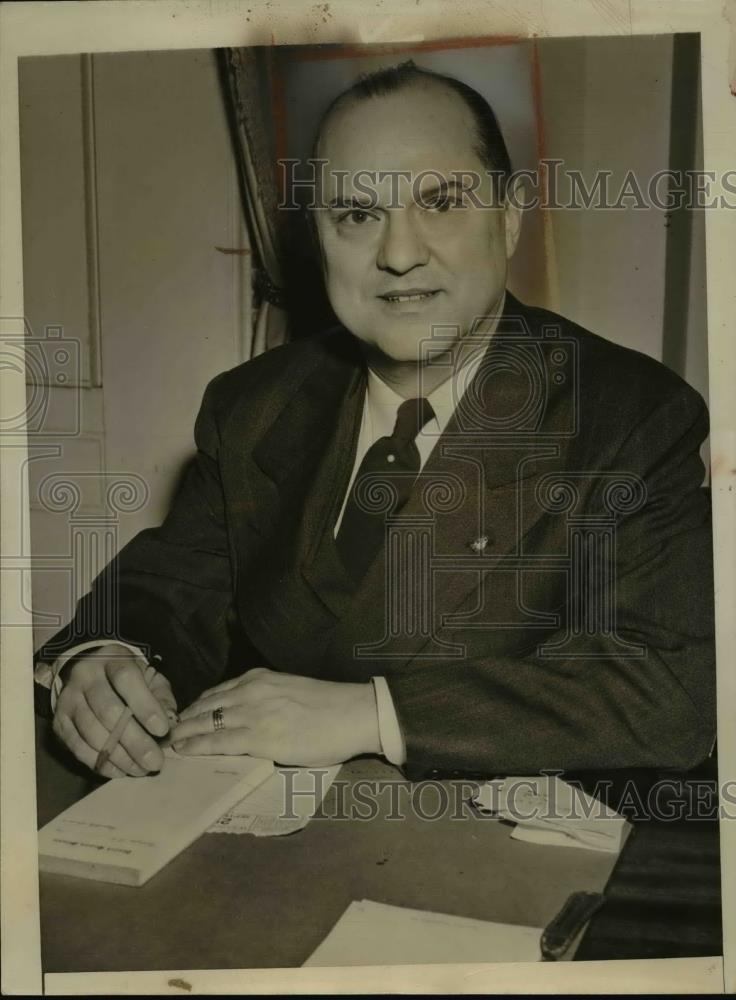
(382, 401)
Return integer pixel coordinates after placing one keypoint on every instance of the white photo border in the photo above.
(135, 25)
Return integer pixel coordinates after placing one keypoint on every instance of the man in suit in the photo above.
(454, 530)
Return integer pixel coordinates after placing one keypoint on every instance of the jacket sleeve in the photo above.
(599, 708)
(169, 590)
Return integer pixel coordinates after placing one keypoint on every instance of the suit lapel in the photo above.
(308, 453)
(326, 398)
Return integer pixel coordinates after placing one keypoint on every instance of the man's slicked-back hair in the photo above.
(489, 142)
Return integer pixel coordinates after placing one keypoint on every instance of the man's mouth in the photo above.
(410, 295)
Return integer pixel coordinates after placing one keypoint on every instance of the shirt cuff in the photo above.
(389, 730)
(49, 675)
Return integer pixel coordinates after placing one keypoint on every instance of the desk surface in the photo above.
(233, 901)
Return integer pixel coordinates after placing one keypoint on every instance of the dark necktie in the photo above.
(389, 468)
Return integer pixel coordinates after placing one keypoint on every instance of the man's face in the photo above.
(421, 255)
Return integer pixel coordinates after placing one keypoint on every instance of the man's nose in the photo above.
(402, 246)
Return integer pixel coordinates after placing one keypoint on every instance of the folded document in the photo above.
(284, 803)
(547, 810)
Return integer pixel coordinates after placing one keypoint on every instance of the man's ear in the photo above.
(513, 208)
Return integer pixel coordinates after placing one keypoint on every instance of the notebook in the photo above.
(128, 829)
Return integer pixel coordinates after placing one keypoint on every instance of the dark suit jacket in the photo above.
(578, 462)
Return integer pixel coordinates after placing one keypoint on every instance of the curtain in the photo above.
(244, 77)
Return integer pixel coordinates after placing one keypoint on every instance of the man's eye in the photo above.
(356, 216)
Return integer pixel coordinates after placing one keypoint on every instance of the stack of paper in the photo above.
(129, 828)
(547, 810)
(371, 933)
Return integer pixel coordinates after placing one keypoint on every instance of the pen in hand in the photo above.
(116, 735)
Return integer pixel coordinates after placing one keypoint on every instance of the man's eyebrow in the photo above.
(353, 202)
(443, 187)
(440, 188)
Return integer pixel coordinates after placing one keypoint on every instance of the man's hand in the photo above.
(97, 691)
(282, 717)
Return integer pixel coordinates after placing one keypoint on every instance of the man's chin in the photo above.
(401, 357)
(408, 347)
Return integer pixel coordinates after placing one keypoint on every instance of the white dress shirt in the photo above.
(378, 420)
